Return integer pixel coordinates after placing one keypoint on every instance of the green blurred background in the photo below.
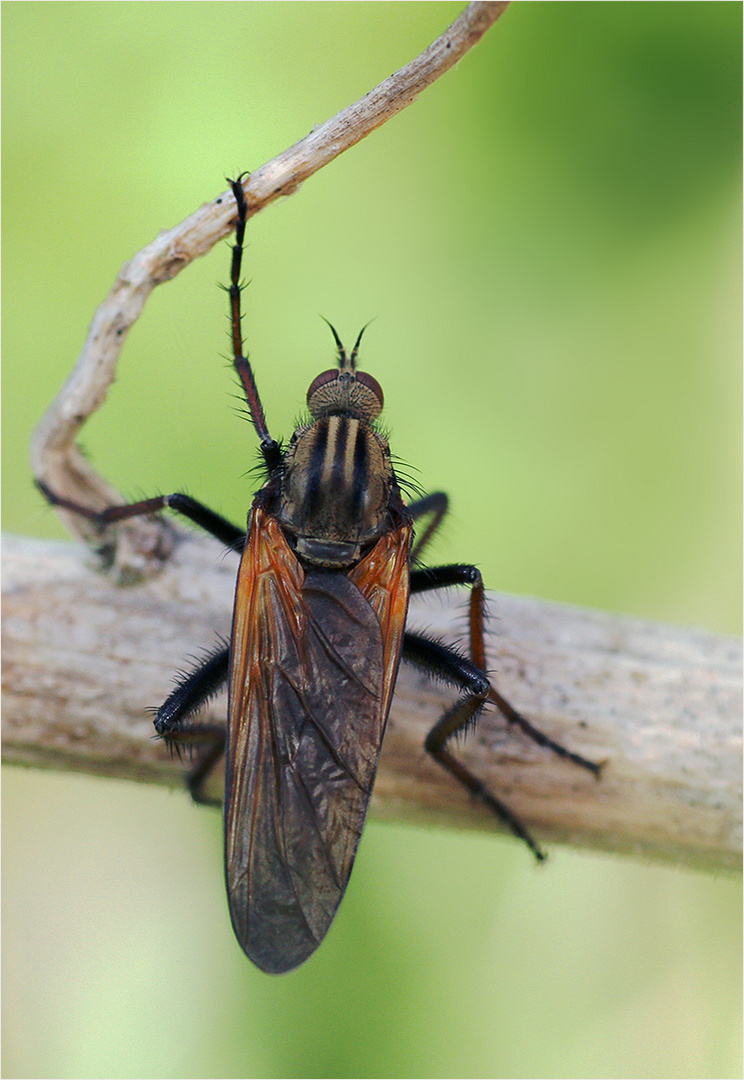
(549, 240)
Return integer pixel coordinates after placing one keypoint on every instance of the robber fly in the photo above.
(317, 637)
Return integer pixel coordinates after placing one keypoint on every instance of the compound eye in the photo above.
(343, 390)
(319, 382)
(372, 384)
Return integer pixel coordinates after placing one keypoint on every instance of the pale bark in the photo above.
(84, 660)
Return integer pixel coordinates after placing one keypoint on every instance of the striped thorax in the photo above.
(337, 476)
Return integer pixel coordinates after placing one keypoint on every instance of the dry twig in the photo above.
(85, 659)
(55, 458)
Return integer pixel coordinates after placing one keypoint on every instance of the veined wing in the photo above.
(313, 665)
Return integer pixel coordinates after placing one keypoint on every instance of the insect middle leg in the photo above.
(434, 506)
(216, 525)
(195, 687)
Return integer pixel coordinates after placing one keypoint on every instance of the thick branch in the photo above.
(84, 660)
(55, 458)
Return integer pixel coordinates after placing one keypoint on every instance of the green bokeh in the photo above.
(549, 241)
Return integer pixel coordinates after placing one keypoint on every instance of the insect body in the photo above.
(317, 637)
(320, 610)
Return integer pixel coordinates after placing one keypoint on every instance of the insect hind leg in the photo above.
(443, 662)
(469, 676)
(463, 574)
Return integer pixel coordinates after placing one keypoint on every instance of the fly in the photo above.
(318, 634)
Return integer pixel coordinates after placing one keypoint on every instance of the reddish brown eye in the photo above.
(344, 390)
(323, 379)
(371, 384)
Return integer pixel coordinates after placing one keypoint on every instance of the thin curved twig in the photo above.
(55, 458)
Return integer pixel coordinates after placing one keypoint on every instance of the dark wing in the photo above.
(310, 688)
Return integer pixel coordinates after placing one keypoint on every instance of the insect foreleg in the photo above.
(270, 449)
